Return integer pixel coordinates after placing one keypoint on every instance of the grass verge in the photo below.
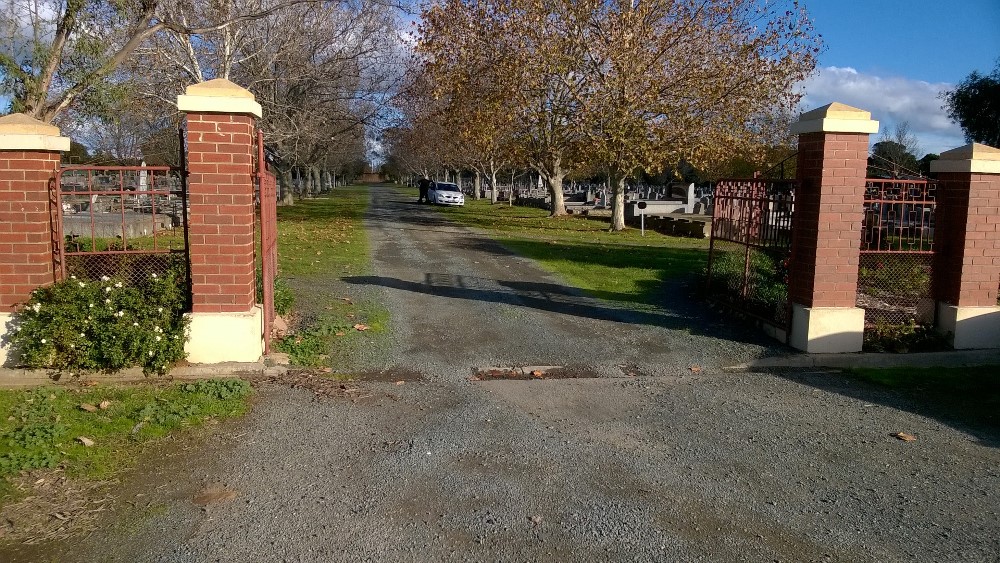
(969, 394)
(320, 240)
(622, 266)
(50, 427)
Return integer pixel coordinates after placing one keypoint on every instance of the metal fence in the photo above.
(268, 192)
(749, 248)
(124, 222)
(897, 252)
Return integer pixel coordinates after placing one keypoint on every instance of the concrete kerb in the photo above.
(958, 358)
(18, 378)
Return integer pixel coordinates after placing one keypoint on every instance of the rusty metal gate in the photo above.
(897, 253)
(268, 201)
(749, 248)
(123, 222)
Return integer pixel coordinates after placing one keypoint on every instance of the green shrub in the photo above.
(284, 299)
(903, 338)
(105, 325)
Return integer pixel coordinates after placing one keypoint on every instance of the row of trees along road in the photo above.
(612, 87)
(108, 72)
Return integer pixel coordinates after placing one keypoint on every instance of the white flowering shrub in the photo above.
(79, 326)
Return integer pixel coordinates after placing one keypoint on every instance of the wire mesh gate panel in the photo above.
(897, 252)
(749, 248)
(124, 222)
(268, 198)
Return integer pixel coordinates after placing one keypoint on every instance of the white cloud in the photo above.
(891, 100)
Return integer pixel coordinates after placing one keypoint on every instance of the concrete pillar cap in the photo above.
(20, 132)
(218, 96)
(975, 158)
(835, 118)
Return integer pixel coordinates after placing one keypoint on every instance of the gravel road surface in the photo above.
(640, 458)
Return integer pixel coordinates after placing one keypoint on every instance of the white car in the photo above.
(444, 193)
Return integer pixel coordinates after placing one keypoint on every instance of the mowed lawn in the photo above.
(622, 266)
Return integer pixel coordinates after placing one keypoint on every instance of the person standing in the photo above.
(425, 186)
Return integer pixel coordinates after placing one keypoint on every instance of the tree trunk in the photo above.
(285, 181)
(555, 183)
(477, 186)
(317, 180)
(618, 205)
(493, 183)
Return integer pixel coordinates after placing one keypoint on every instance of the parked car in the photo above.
(445, 193)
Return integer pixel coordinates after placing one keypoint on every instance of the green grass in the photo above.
(40, 427)
(320, 239)
(622, 266)
(971, 394)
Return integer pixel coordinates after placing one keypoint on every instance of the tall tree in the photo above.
(975, 105)
(895, 153)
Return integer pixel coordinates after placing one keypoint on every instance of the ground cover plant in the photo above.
(621, 266)
(319, 240)
(97, 431)
(80, 326)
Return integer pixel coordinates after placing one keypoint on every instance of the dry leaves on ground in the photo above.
(904, 437)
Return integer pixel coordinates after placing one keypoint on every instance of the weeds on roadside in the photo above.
(46, 427)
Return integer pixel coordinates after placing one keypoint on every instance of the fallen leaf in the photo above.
(536, 519)
(88, 407)
(60, 515)
(695, 368)
(474, 378)
(347, 300)
(400, 382)
(89, 383)
(326, 370)
(85, 441)
(104, 404)
(214, 493)
(537, 373)
(361, 327)
(339, 333)
(904, 436)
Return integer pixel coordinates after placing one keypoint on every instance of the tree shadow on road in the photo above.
(567, 300)
(956, 408)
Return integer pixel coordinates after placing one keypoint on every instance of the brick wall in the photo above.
(221, 218)
(967, 239)
(25, 232)
(828, 214)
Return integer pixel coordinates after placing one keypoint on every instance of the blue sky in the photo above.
(894, 57)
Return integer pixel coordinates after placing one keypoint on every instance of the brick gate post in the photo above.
(967, 246)
(226, 324)
(826, 235)
(29, 158)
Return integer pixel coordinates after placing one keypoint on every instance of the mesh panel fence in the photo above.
(752, 280)
(132, 268)
(895, 288)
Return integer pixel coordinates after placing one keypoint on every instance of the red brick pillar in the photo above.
(826, 236)
(967, 245)
(225, 323)
(29, 158)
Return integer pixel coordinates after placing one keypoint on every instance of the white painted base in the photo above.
(970, 327)
(4, 345)
(827, 330)
(225, 337)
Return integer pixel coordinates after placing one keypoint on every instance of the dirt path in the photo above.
(662, 465)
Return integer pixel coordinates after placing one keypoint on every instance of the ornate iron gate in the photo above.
(897, 252)
(749, 248)
(268, 199)
(125, 222)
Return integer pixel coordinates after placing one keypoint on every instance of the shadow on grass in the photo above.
(967, 398)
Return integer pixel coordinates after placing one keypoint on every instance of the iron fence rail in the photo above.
(897, 253)
(750, 242)
(268, 186)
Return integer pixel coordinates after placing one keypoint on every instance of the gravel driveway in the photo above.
(641, 459)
